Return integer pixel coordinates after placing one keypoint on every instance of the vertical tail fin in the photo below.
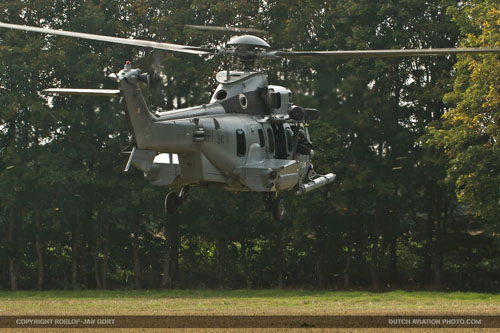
(135, 107)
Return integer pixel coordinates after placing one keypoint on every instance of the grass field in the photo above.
(248, 302)
(245, 302)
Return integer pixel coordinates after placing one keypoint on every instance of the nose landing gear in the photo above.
(274, 203)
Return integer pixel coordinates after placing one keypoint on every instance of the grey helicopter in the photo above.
(249, 137)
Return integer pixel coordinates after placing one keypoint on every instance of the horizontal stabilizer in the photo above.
(91, 92)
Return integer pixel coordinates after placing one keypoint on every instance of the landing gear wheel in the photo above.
(278, 208)
(172, 203)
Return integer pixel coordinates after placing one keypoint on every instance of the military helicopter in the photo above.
(249, 137)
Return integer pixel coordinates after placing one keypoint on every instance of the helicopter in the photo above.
(249, 137)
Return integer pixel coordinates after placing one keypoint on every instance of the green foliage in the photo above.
(469, 132)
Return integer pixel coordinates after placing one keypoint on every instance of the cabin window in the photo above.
(289, 137)
(270, 138)
(261, 138)
(241, 143)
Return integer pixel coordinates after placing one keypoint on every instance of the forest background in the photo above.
(413, 142)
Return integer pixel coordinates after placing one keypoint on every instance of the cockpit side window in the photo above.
(270, 139)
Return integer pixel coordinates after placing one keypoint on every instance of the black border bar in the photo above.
(221, 321)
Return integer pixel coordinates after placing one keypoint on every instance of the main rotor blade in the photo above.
(382, 53)
(91, 92)
(226, 29)
(117, 40)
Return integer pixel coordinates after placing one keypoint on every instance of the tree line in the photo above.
(413, 142)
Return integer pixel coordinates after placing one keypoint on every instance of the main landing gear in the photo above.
(274, 203)
(173, 200)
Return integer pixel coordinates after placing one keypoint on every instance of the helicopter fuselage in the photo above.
(243, 140)
(250, 137)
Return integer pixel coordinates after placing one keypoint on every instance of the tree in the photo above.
(470, 132)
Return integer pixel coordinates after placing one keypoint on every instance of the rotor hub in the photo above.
(248, 40)
(245, 49)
